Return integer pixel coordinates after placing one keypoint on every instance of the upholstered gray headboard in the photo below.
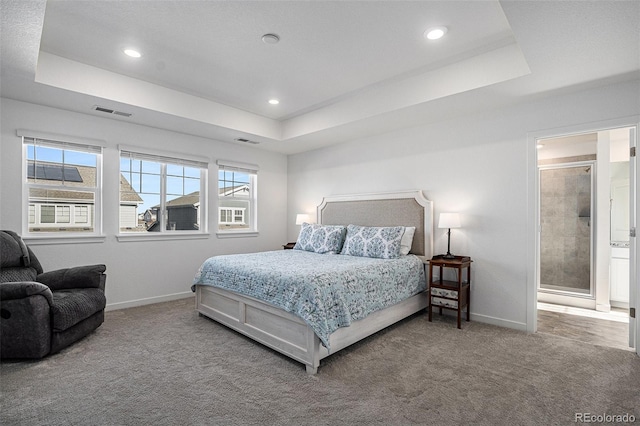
(406, 208)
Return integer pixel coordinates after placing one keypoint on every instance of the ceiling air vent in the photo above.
(246, 141)
(111, 111)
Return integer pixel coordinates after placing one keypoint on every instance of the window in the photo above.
(237, 185)
(225, 215)
(238, 216)
(63, 214)
(161, 193)
(47, 214)
(229, 216)
(62, 186)
(81, 214)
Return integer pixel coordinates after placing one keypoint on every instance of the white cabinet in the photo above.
(620, 210)
(619, 277)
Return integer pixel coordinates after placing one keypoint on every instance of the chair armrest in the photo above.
(20, 290)
(91, 276)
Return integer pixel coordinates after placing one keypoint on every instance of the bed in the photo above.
(298, 323)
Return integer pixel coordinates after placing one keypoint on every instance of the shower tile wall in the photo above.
(565, 248)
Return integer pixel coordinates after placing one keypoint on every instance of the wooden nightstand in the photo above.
(288, 246)
(446, 294)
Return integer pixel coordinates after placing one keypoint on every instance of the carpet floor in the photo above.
(165, 365)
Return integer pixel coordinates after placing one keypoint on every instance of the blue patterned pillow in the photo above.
(370, 241)
(320, 238)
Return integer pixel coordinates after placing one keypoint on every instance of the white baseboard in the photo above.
(520, 326)
(500, 322)
(149, 301)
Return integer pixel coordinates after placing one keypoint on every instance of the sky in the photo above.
(144, 176)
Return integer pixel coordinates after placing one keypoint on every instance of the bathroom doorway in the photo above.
(583, 237)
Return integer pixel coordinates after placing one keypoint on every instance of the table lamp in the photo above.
(448, 221)
(302, 218)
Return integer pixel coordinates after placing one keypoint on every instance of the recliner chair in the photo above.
(44, 312)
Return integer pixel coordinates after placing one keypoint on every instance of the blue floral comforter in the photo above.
(327, 291)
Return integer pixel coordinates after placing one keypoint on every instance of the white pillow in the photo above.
(407, 240)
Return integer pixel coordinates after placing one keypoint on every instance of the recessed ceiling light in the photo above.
(133, 53)
(270, 38)
(274, 101)
(539, 145)
(435, 33)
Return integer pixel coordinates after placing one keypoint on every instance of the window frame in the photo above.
(252, 171)
(30, 209)
(166, 159)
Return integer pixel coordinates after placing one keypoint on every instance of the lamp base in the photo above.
(445, 256)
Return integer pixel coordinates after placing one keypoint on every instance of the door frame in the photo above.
(634, 256)
(533, 213)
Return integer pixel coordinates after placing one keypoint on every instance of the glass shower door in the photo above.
(566, 231)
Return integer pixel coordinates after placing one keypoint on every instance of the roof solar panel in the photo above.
(53, 172)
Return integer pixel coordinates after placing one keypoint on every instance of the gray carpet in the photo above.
(164, 365)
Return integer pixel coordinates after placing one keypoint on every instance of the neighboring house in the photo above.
(184, 212)
(70, 209)
(148, 216)
(129, 202)
(233, 207)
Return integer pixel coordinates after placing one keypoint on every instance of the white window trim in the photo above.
(160, 236)
(63, 239)
(165, 157)
(236, 234)
(173, 157)
(61, 142)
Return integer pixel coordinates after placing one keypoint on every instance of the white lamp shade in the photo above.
(449, 220)
(302, 218)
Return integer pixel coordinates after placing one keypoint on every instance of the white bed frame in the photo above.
(290, 335)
